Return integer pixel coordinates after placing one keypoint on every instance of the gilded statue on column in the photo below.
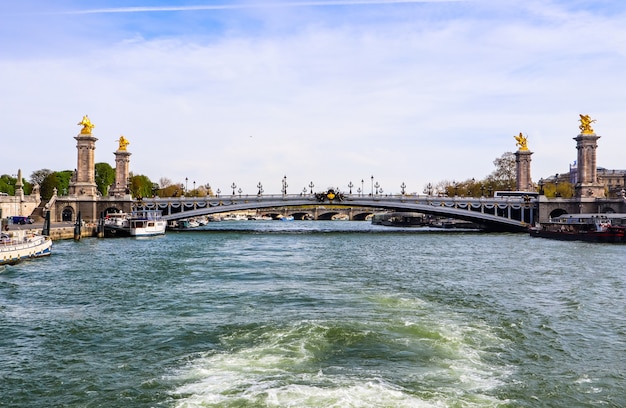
(87, 126)
(521, 141)
(585, 124)
(123, 143)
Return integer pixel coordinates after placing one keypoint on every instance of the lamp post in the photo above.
(260, 187)
(402, 187)
(541, 183)
(194, 188)
(362, 186)
(218, 192)
(429, 189)
(350, 185)
(482, 190)
(372, 190)
(240, 191)
(556, 185)
(311, 185)
(233, 186)
(359, 191)
(376, 186)
(285, 185)
(186, 179)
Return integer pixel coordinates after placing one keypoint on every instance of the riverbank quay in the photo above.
(59, 230)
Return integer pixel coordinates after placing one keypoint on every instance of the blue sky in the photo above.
(322, 91)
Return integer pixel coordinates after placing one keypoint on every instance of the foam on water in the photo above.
(412, 356)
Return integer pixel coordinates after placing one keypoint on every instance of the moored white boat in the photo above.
(140, 223)
(146, 223)
(18, 245)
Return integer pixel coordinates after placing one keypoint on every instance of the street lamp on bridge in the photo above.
(311, 185)
(362, 190)
(234, 186)
(429, 189)
(260, 187)
(402, 187)
(376, 186)
(372, 190)
(285, 185)
(186, 179)
(350, 185)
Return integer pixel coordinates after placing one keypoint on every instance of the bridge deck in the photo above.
(500, 214)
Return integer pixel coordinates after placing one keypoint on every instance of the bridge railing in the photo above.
(510, 212)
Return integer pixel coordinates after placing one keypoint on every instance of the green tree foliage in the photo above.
(141, 186)
(564, 189)
(7, 184)
(64, 177)
(59, 180)
(173, 190)
(105, 176)
(49, 183)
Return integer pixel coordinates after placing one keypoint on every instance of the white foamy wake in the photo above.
(435, 359)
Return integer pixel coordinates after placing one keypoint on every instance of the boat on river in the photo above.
(17, 245)
(584, 227)
(141, 223)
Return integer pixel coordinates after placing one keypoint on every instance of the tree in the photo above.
(105, 176)
(140, 186)
(48, 184)
(7, 184)
(503, 177)
(38, 176)
(63, 178)
(173, 190)
(164, 182)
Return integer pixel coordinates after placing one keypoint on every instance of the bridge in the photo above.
(513, 214)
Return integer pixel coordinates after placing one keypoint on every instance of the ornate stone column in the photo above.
(122, 168)
(587, 185)
(84, 179)
(523, 180)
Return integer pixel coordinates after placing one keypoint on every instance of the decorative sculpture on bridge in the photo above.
(329, 195)
(123, 143)
(87, 126)
(585, 124)
(521, 141)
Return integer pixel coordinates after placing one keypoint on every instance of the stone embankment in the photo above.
(60, 230)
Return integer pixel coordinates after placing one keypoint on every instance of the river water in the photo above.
(315, 314)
